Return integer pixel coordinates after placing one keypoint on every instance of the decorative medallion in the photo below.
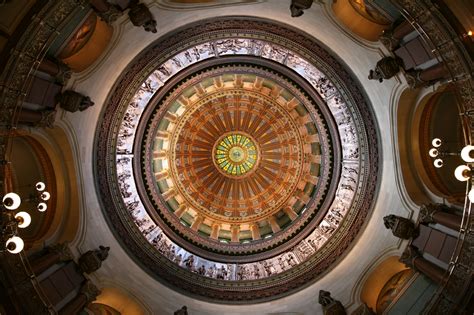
(235, 155)
(238, 159)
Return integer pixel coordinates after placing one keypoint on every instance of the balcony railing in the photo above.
(448, 48)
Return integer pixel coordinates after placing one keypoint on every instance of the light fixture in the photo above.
(45, 196)
(10, 222)
(436, 142)
(11, 201)
(462, 173)
(467, 154)
(23, 219)
(40, 186)
(42, 207)
(438, 154)
(15, 244)
(433, 152)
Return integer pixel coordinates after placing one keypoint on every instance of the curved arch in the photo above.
(119, 300)
(64, 223)
(416, 124)
(377, 279)
(356, 17)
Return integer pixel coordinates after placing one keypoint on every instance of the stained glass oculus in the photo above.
(235, 154)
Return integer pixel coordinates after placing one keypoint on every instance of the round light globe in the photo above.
(11, 201)
(24, 219)
(462, 173)
(15, 244)
(467, 153)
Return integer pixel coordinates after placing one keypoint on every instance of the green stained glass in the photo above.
(236, 154)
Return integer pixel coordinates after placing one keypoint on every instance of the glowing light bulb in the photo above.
(40, 186)
(23, 218)
(434, 152)
(42, 207)
(11, 201)
(467, 154)
(15, 244)
(45, 195)
(436, 142)
(462, 173)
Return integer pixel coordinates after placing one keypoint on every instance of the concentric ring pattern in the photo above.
(239, 164)
(235, 154)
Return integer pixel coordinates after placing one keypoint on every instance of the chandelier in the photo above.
(12, 220)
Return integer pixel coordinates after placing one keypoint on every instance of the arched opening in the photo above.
(115, 301)
(420, 120)
(361, 19)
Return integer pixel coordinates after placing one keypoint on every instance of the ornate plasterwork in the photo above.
(235, 155)
(323, 241)
(286, 165)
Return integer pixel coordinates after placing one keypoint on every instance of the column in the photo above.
(108, 12)
(216, 227)
(180, 211)
(412, 258)
(56, 254)
(273, 224)
(234, 230)
(435, 213)
(290, 212)
(161, 175)
(55, 68)
(197, 223)
(402, 30)
(88, 293)
(433, 73)
(170, 193)
(254, 228)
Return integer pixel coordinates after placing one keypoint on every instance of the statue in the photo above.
(92, 260)
(386, 68)
(72, 101)
(401, 227)
(298, 6)
(182, 311)
(330, 306)
(140, 15)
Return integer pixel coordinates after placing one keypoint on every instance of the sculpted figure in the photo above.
(298, 6)
(140, 15)
(92, 260)
(189, 262)
(386, 68)
(73, 101)
(401, 227)
(330, 306)
(182, 311)
(201, 270)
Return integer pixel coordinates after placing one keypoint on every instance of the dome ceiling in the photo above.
(232, 156)
(235, 163)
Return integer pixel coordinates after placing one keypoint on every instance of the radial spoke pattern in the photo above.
(239, 151)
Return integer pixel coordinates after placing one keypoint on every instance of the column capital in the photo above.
(90, 291)
(428, 210)
(409, 255)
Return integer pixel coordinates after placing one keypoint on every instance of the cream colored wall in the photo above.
(343, 281)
